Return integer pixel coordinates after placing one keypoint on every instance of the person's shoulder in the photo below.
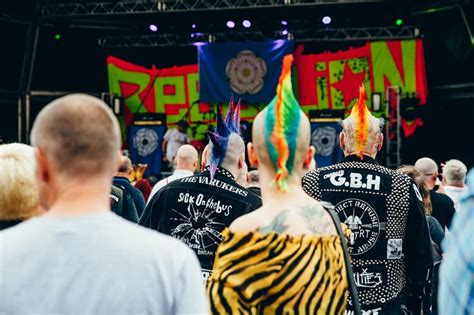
(441, 198)
(253, 197)
(21, 229)
(155, 242)
(247, 223)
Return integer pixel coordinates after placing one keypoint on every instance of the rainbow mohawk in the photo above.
(361, 116)
(281, 126)
(220, 138)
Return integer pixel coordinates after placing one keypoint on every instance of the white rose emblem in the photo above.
(246, 72)
(145, 141)
(324, 139)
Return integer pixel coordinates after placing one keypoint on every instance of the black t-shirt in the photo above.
(390, 244)
(196, 209)
(443, 208)
(5, 224)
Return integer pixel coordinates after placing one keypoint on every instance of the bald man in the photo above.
(389, 242)
(442, 205)
(186, 164)
(80, 258)
(122, 181)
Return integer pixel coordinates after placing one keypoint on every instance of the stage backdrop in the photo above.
(321, 81)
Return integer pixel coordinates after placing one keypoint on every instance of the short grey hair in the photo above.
(80, 135)
(454, 171)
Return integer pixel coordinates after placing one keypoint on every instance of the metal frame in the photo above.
(148, 6)
(27, 75)
(336, 34)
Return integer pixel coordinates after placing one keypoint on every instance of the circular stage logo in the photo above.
(146, 141)
(363, 221)
(246, 72)
(324, 139)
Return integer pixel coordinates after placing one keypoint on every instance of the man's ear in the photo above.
(241, 160)
(42, 166)
(252, 155)
(380, 144)
(342, 141)
(309, 156)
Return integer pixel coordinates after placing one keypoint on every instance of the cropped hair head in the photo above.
(79, 134)
(454, 172)
(19, 194)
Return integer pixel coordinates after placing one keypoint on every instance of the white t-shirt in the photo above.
(96, 264)
(175, 140)
(455, 193)
(177, 174)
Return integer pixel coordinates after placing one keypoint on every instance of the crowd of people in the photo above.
(84, 233)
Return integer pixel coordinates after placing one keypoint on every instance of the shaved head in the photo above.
(79, 135)
(260, 142)
(125, 165)
(426, 166)
(186, 157)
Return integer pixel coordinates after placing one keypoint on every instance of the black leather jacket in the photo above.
(390, 244)
(196, 209)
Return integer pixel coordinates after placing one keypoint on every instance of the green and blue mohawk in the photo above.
(282, 122)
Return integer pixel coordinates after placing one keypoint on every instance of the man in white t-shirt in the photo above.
(173, 140)
(80, 258)
(186, 163)
(454, 177)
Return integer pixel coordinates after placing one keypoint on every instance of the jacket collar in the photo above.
(221, 171)
(355, 158)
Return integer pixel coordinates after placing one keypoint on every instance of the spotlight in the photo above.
(230, 24)
(284, 22)
(284, 32)
(57, 36)
(153, 27)
(326, 20)
(192, 35)
(193, 26)
(246, 23)
(398, 22)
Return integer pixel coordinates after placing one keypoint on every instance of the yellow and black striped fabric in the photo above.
(258, 273)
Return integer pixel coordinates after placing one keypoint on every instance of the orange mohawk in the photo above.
(361, 116)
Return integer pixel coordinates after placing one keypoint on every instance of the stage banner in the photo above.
(145, 147)
(331, 80)
(173, 91)
(248, 71)
(325, 139)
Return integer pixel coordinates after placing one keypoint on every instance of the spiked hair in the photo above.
(361, 126)
(282, 126)
(220, 138)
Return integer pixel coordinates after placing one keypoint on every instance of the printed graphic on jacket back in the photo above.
(363, 221)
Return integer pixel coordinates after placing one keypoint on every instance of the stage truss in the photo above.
(89, 8)
(335, 34)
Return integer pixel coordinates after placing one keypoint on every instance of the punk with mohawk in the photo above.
(384, 211)
(196, 209)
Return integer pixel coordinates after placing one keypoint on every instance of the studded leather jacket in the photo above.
(389, 242)
(196, 209)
